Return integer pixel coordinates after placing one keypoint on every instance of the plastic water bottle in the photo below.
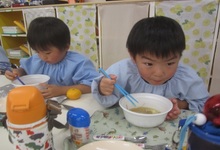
(27, 119)
(79, 121)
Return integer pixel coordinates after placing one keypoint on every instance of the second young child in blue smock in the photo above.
(50, 38)
(155, 46)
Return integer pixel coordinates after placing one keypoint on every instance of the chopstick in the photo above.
(123, 91)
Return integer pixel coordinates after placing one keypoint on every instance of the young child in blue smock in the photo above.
(4, 61)
(155, 46)
(50, 38)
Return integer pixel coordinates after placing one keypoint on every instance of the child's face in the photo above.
(154, 70)
(52, 56)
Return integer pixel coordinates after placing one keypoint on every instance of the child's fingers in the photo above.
(10, 75)
(44, 85)
(106, 86)
(113, 77)
(174, 101)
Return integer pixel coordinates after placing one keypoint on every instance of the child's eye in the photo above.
(148, 64)
(170, 63)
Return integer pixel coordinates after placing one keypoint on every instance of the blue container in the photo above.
(78, 117)
(79, 121)
(200, 140)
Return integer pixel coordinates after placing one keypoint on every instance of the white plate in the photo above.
(110, 145)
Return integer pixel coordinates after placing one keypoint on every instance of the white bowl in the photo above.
(160, 103)
(32, 80)
(110, 145)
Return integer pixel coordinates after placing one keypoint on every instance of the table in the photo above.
(86, 102)
(105, 121)
(4, 80)
(112, 122)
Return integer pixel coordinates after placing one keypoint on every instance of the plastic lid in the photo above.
(204, 135)
(78, 117)
(25, 105)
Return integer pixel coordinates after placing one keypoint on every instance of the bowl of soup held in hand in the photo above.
(150, 111)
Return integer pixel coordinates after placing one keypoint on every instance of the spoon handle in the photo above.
(108, 137)
(137, 139)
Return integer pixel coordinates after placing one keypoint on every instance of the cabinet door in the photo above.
(31, 14)
(115, 23)
(81, 20)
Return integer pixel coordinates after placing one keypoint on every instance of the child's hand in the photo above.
(49, 90)
(11, 75)
(175, 111)
(106, 85)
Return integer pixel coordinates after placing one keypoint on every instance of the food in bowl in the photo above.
(32, 80)
(157, 102)
(145, 110)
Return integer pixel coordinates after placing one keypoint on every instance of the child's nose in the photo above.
(159, 71)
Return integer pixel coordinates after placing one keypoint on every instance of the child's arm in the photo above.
(104, 100)
(50, 90)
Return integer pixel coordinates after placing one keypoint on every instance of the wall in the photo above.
(198, 19)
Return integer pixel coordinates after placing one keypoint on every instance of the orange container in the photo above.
(25, 105)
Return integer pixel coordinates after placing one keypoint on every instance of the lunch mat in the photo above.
(113, 122)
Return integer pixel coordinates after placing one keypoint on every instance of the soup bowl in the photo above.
(151, 101)
(32, 80)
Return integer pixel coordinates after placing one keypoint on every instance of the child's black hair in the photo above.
(45, 32)
(159, 36)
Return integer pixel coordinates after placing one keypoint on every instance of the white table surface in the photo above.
(86, 102)
(4, 80)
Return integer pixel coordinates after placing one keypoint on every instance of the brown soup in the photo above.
(145, 110)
